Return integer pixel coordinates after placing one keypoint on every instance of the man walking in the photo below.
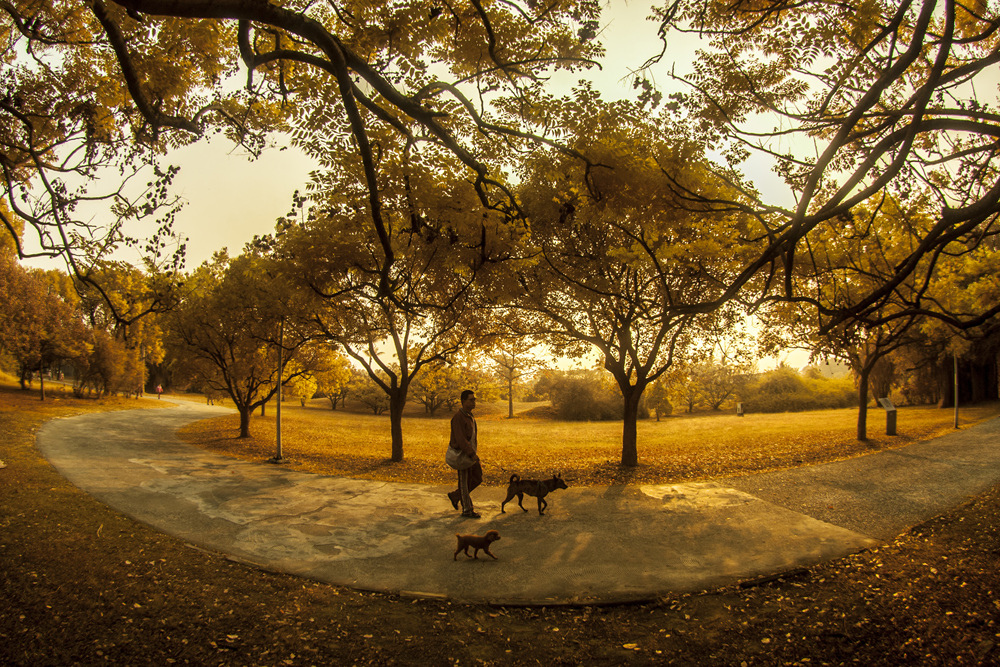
(463, 438)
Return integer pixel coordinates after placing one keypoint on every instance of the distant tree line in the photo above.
(590, 396)
(54, 327)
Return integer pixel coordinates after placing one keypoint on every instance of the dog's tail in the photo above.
(514, 478)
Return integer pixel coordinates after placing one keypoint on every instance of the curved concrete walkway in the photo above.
(593, 545)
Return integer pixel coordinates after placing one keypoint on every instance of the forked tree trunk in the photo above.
(510, 398)
(397, 401)
(630, 451)
(245, 422)
(863, 404)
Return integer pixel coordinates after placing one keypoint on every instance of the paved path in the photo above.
(594, 544)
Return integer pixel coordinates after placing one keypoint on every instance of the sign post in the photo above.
(890, 415)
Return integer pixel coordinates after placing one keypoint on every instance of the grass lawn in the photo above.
(678, 448)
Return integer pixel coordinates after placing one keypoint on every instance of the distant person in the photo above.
(463, 441)
(159, 390)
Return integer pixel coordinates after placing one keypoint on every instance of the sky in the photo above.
(228, 198)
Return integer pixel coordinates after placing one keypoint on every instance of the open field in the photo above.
(679, 448)
(82, 584)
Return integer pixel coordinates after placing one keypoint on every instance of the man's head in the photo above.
(468, 400)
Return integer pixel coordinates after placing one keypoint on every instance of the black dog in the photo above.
(518, 487)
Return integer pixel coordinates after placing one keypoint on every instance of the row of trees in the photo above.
(489, 306)
(54, 324)
(217, 340)
(591, 395)
(459, 202)
(50, 324)
(45, 330)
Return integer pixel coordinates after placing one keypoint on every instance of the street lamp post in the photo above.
(955, 357)
(277, 419)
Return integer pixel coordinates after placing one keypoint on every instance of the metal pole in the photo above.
(955, 357)
(277, 426)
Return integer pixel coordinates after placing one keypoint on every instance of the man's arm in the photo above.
(461, 436)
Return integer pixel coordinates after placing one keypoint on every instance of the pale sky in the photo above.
(230, 199)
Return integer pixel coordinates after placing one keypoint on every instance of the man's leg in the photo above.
(475, 476)
(463, 491)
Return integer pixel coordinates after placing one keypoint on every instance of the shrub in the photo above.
(657, 399)
(582, 399)
(583, 395)
(785, 390)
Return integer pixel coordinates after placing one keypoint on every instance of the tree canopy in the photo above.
(622, 261)
(395, 314)
(227, 332)
(109, 85)
(851, 101)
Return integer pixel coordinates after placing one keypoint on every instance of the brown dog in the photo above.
(518, 487)
(477, 542)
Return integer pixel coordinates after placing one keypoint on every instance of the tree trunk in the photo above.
(982, 381)
(945, 376)
(41, 384)
(397, 400)
(510, 398)
(863, 404)
(630, 451)
(245, 422)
